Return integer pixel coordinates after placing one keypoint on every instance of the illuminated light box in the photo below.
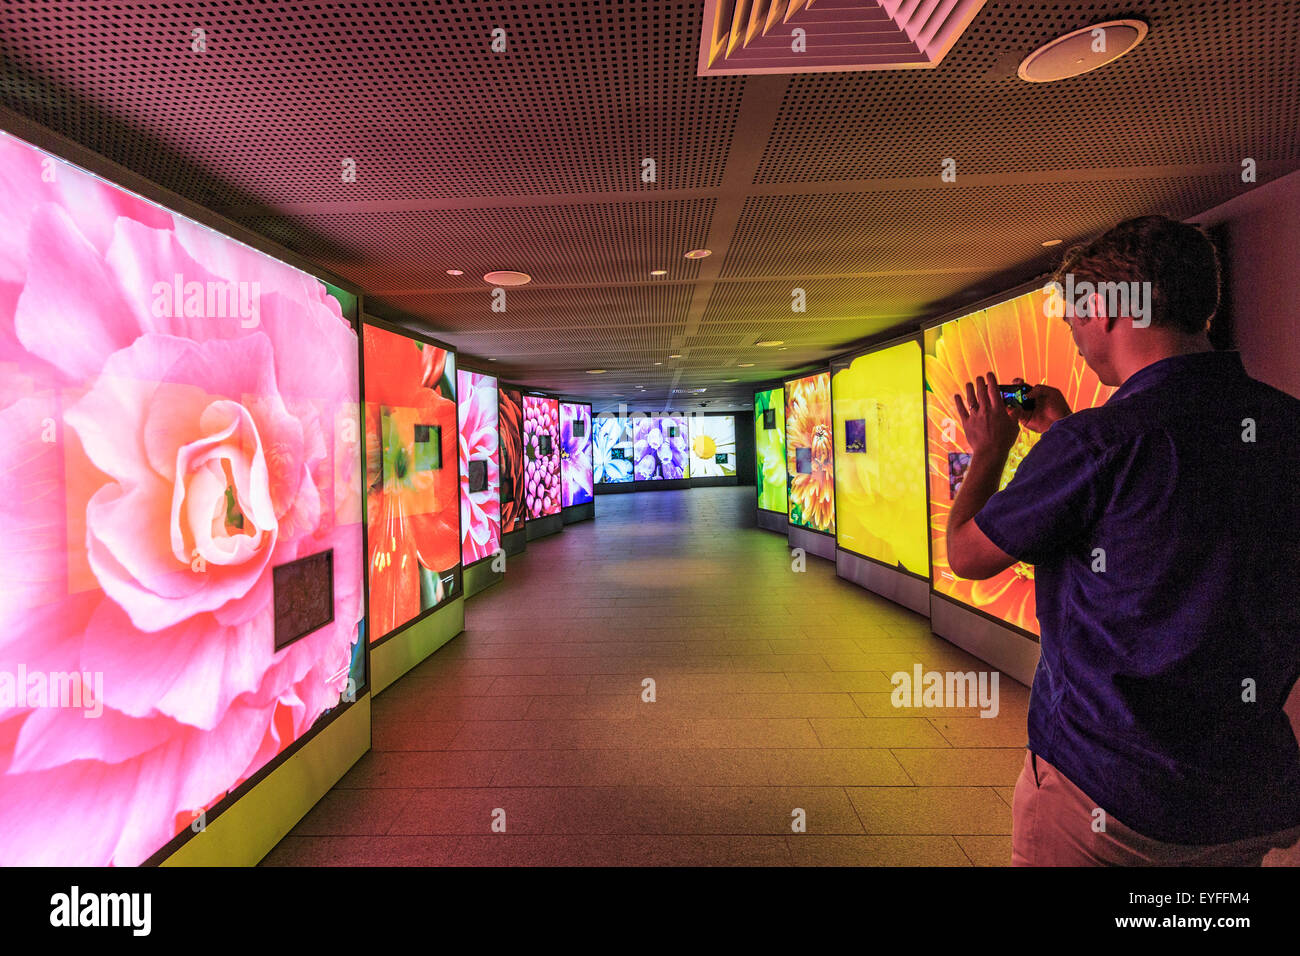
(659, 448)
(712, 446)
(612, 449)
(181, 475)
(1014, 339)
(480, 465)
(413, 490)
(512, 459)
(576, 478)
(769, 445)
(880, 476)
(810, 455)
(541, 456)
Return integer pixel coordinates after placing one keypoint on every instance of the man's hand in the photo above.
(990, 427)
(1050, 407)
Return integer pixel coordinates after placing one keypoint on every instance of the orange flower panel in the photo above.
(1014, 339)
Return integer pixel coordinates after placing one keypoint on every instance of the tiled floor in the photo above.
(772, 695)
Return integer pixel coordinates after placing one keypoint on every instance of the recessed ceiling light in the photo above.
(659, 363)
(674, 355)
(595, 371)
(1077, 52)
(699, 253)
(783, 348)
(507, 277)
(746, 365)
(770, 343)
(455, 272)
(1052, 242)
(659, 272)
(731, 380)
(491, 360)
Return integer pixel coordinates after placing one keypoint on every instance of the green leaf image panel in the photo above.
(769, 444)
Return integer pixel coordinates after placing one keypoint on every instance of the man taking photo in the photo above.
(1164, 530)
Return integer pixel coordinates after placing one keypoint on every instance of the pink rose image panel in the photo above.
(180, 479)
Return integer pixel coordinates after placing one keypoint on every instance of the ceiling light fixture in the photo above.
(455, 272)
(659, 272)
(746, 365)
(770, 343)
(507, 277)
(1052, 242)
(1082, 51)
(595, 371)
(699, 253)
(674, 355)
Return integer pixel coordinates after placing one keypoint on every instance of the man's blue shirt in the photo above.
(1164, 528)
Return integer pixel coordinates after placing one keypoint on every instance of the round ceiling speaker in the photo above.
(1082, 51)
(506, 277)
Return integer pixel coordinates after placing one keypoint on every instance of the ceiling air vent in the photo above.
(823, 36)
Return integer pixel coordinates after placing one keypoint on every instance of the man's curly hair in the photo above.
(1177, 259)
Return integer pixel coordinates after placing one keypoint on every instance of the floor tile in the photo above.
(934, 810)
(773, 703)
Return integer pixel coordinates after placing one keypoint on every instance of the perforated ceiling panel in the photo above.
(1215, 81)
(574, 141)
(415, 249)
(423, 96)
(915, 230)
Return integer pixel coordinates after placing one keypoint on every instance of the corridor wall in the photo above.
(1257, 234)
